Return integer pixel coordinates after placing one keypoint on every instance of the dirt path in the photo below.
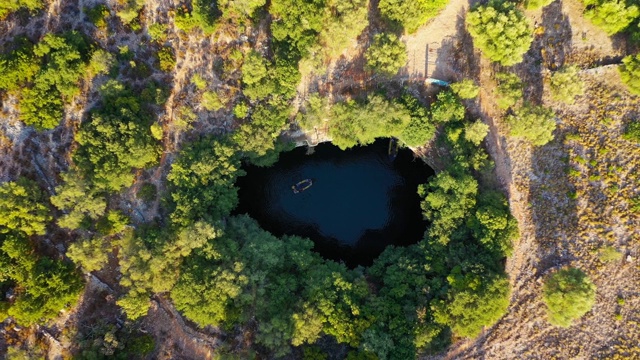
(433, 36)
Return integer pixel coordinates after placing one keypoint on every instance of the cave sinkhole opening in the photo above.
(360, 201)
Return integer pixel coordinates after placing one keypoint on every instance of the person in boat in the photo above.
(301, 186)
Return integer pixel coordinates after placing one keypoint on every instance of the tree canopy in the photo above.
(500, 31)
(534, 123)
(410, 14)
(568, 294)
(630, 73)
(386, 55)
(23, 208)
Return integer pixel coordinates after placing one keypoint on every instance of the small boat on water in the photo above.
(301, 186)
(393, 148)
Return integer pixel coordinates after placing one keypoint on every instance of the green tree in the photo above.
(500, 31)
(612, 16)
(386, 55)
(354, 123)
(166, 59)
(56, 82)
(534, 123)
(446, 108)
(78, 200)
(115, 140)
(568, 294)
(465, 89)
(42, 286)
(201, 15)
(565, 85)
(22, 208)
(448, 199)
(509, 90)
(91, 254)
(202, 182)
(211, 101)
(630, 73)
(474, 305)
(420, 129)
(7, 7)
(476, 132)
(410, 14)
(632, 131)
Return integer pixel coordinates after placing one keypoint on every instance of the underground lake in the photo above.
(360, 201)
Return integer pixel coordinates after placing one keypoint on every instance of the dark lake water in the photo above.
(360, 202)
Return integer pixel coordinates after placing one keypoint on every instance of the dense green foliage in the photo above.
(22, 208)
(115, 140)
(568, 294)
(317, 30)
(565, 85)
(612, 16)
(632, 131)
(410, 14)
(451, 280)
(509, 90)
(202, 181)
(465, 89)
(201, 15)
(46, 76)
(500, 31)
(166, 59)
(534, 123)
(420, 129)
(42, 286)
(386, 55)
(9, 6)
(150, 260)
(290, 291)
(354, 123)
(630, 73)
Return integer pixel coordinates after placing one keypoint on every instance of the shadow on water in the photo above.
(360, 202)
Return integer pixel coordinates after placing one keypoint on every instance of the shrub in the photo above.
(565, 85)
(630, 73)
(158, 32)
(203, 15)
(534, 123)
(7, 7)
(98, 15)
(130, 11)
(211, 101)
(241, 110)
(568, 294)
(632, 132)
(387, 55)
(509, 90)
(500, 31)
(465, 89)
(199, 82)
(609, 254)
(612, 16)
(167, 59)
(22, 208)
(476, 132)
(410, 14)
(536, 4)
